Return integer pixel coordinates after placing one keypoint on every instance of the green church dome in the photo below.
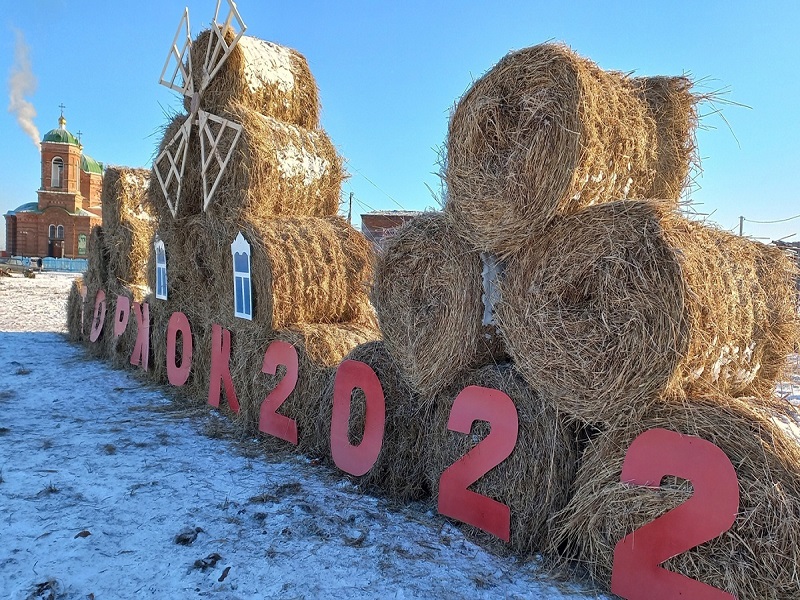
(61, 135)
(90, 165)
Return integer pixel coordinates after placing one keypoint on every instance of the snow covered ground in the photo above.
(100, 474)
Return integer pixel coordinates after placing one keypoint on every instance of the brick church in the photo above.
(69, 203)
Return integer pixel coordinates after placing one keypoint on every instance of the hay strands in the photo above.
(170, 164)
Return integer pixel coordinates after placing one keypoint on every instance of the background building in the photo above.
(380, 224)
(69, 203)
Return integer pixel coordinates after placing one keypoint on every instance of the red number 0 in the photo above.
(710, 511)
(357, 460)
(455, 500)
(269, 421)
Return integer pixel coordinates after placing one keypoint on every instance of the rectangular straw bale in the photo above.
(263, 76)
(277, 169)
(546, 132)
(304, 269)
(127, 224)
(626, 301)
(75, 310)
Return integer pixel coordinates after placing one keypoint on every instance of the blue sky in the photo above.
(389, 73)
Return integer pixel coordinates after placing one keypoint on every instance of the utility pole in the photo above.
(350, 210)
(741, 225)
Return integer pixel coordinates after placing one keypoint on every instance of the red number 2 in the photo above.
(637, 574)
(269, 421)
(455, 500)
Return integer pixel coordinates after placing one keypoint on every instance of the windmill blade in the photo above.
(218, 49)
(180, 60)
(218, 139)
(170, 164)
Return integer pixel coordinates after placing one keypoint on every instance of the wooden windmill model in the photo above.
(170, 164)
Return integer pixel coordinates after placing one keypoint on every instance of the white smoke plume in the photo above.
(22, 83)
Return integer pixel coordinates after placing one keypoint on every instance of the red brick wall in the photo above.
(91, 189)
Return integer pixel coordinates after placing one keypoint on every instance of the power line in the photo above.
(350, 164)
(771, 222)
(363, 204)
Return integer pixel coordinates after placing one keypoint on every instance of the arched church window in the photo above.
(57, 172)
(52, 232)
(242, 293)
(60, 232)
(161, 270)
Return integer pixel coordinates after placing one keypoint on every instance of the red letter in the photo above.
(221, 368)
(99, 316)
(121, 315)
(357, 460)
(141, 350)
(179, 375)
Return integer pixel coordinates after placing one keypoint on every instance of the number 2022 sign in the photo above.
(636, 575)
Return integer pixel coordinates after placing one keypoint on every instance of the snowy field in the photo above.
(101, 477)
(100, 474)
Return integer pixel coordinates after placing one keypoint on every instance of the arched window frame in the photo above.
(51, 231)
(242, 289)
(56, 172)
(161, 269)
(60, 232)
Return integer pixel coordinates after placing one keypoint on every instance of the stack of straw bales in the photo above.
(618, 311)
(310, 270)
(127, 226)
(128, 234)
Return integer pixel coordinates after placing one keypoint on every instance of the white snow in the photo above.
(265, 62)
(101, 471)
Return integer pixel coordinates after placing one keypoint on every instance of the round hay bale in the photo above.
(127, 225)
(75, 311)
(303, 269)
(535, 480)
(263, 76)
(758, 556)
(627, 301)
(541, 134)
(320, 347)
(277, 169)
(399, 471)
(428, 295)
(674, 109)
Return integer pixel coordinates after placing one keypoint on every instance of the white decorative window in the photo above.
(56, 172)
(242, 293)
(60, 232)
(161, 270)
